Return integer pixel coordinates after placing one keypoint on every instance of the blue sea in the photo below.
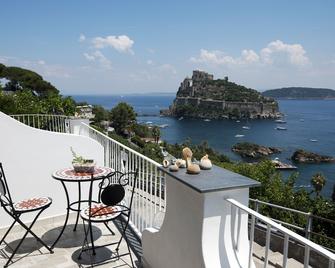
(306, 120)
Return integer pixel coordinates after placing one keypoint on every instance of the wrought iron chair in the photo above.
(15, 210)
(111, 206)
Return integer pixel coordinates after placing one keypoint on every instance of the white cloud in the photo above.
(295, 52)
(167, 68)
(89, 57)
(41, 62)
(249, 56)
(98, 56)
(82, 38)
(274, 52)
(120, 43)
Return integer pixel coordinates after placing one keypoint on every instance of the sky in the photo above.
(121, 47)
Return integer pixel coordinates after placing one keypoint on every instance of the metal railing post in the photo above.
(309, 226)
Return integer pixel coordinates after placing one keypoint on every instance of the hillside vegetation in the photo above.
(300, 93)
(23, 91)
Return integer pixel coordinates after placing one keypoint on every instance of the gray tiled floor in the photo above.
(31, 254)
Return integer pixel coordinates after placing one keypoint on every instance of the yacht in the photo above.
(246, 127)
(181, 118)
(281, 128)
(207, 120)
(239, 136)
(280, 121)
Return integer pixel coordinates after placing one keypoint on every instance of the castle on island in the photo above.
(204, 97)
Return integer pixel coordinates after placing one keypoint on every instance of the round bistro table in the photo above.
(68, 175)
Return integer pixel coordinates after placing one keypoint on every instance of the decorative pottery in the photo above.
(87, 166)
(181, 163)
(205, 163)
(174, 168)
(166, 163)
(191, 167)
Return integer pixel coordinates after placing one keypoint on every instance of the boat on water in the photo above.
(163, 125)
(281, 128)
(239, 136)
(246, 127)
(282, 166)
(238, 121)
(280, 121)
(180, 118)
(148, 123)
(207, 120)
(313, 140)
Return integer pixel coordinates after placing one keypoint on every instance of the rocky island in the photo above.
(252, 150)
(202, 96)
(302, 156)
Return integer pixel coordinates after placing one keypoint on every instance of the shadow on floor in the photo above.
(69, 239)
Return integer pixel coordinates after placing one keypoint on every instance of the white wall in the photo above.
(29, 157)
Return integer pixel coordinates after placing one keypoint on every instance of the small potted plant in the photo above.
(82, 165)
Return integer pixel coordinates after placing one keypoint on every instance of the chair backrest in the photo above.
(113, 187)
(5, 197)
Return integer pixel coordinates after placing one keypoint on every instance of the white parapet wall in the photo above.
(198, 224)
(29, 157)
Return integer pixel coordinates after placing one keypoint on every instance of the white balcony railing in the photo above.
(150, 192)
(55, 123)
(237, 207)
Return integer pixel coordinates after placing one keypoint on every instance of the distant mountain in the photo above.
(300, 93)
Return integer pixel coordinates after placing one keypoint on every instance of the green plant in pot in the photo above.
(82, 165)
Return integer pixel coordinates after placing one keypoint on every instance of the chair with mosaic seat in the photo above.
(113, 191)
(16, 209)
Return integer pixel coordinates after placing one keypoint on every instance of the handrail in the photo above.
(278, 206)
(304, 241)
(55, 115)
(124, 146)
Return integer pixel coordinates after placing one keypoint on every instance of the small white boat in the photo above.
(313, 140)
(163, 126)
(280, 121)
(207, 120)
(281, 128)
(246, 127)
(181, 118)
(239, 136)
(148, 123)
(238, 121)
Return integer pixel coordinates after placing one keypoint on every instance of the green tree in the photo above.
(156, 133)
(318, 181)
(100, 114)
(122, 116)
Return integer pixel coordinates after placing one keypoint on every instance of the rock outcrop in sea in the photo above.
(252, 150)
(202, 96)
(302, 156)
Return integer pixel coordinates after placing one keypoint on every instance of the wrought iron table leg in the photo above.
(79, 203)
(67, 215)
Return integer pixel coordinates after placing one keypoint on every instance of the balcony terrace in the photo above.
(176, 221)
